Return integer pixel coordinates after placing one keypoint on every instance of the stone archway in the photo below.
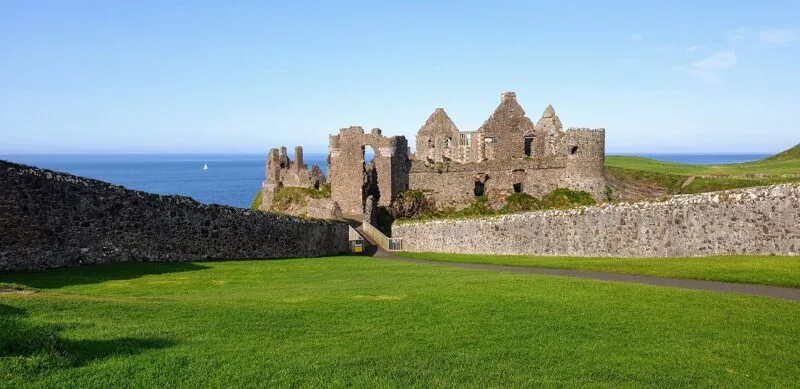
(389, 168)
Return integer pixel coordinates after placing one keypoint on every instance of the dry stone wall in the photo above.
(50, 219)
(762, 220)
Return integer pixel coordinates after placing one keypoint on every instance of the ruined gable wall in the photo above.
(548, 134)
(51, 219)
(507, 127)
(759, 220)
(438, 138)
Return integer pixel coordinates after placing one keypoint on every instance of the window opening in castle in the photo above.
(430, 143)
(573, 150)
(463, 139)
(316, 184)
(479, 189)
(528, 145)
(518, 188)
(447, 143)
(368, 153)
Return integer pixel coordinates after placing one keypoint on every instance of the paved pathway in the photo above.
(716, 286)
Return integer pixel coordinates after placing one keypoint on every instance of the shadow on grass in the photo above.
(91, 274)
(29, 349)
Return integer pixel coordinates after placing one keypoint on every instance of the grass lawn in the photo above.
(356, 321)
(748, 269)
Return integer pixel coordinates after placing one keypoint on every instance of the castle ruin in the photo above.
(282, 171)
(507, 154)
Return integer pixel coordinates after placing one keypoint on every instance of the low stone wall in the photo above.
(762, 220)
(50, 219)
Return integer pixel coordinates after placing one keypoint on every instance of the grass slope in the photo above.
(353, 321)
(787, 155)
(766, 270)
(780, 168)
(256, 203)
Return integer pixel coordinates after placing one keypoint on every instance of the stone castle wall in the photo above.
(50, 219)
(282, 171)
(347, 167)
(762, 220)
(580, 168)
(507, 154)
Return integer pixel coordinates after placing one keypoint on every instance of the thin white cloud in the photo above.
(636, 37)
(708, 70)
(779, 37)
(740, 34)
(667, 48)
(770, 36)
(717, 61)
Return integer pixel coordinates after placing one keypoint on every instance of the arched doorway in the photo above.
(370, 172)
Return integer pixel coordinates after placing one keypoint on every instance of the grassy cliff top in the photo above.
(786, 162)
(633, 178)
(792, 154)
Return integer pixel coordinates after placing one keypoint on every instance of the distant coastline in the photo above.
(232, 178)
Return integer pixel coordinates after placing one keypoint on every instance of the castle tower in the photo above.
(585, 151)
(298, 158)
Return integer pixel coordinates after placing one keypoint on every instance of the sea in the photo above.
(231, 179)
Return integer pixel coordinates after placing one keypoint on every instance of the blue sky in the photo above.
(240, 76)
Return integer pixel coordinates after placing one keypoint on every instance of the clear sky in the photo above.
(245, 76)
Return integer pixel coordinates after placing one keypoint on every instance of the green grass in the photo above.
(286, 196)
(780, 168)
(766, 270)
(787, 162)
(359, 322)
(559, 198)
(256, 203)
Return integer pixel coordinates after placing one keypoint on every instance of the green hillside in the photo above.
(638, 177)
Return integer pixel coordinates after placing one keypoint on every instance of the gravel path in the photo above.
(716, 286)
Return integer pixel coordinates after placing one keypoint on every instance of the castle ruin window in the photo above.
(573, 150)
(479, 189)
(316, 184)
(528, 145)
(447, 143)
(430, 143)
(463, 139)
(518, 187)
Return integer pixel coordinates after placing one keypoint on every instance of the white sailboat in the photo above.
(205, 166)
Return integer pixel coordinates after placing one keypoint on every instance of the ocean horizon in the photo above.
(234, 179)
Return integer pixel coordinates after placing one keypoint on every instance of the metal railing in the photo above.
(385, 242)
(356, 241)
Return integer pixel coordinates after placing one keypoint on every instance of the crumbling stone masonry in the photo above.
(282, 171)
(761, 220)
(353, 180)
(50, 219)
(507, 154)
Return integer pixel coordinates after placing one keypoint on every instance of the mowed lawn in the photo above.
(358, 321)
(747, 269)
